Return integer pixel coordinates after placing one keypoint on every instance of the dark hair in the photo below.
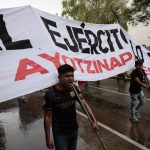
(138, 62)
(65, 68)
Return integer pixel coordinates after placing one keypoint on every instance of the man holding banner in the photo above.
(60, 110)
(137, 96)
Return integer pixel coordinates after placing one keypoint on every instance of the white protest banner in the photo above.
(33, 44)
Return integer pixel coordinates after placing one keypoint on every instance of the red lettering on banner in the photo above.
(64, 58)
(23, 71)
(79, 61)
(55, 59)
(125, 57)
(147, 70)
(89, 64)
(114, 62)
(103, 65)
(95, 66)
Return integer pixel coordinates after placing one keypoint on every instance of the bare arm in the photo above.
(148, 80)
(94, 124)
(47, 126)
(141, 83)
(89, 111)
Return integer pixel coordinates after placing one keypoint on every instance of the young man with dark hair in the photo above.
(138, 78)
(60, 112)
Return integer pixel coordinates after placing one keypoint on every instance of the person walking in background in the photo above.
(138, 78)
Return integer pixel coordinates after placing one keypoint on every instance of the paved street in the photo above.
(21, 124)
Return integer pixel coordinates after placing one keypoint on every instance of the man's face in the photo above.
(67, 79)
(139, 67)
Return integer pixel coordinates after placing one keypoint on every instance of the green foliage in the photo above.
(97, 11)
(140, 11)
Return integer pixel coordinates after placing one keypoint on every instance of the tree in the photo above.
(97, 11)
(140, 11)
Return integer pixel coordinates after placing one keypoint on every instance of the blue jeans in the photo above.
(137, 100)
(66, 142)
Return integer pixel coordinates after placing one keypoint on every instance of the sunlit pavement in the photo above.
(21, 124)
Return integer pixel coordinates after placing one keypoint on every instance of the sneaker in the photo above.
(137, 115)
(134, 118)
